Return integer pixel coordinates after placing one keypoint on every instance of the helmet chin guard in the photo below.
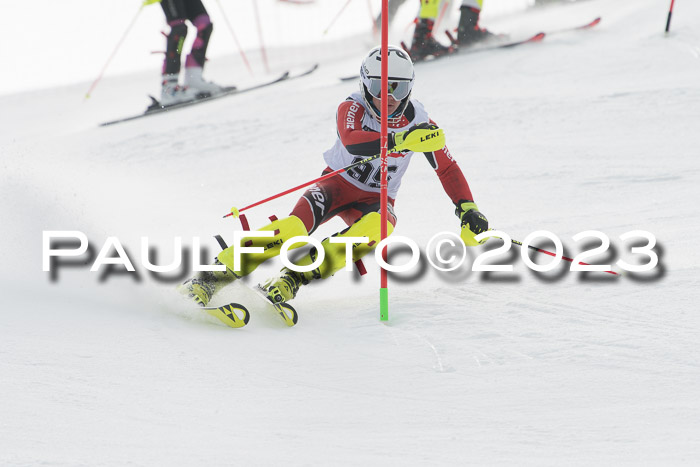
(401, 78)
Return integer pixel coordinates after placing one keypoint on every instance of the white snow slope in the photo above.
(588, 130)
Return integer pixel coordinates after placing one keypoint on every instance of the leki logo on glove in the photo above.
(429, 136)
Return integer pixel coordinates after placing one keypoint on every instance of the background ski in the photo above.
(155, 107)
(536, 38)
(588, 25)
(494, 46)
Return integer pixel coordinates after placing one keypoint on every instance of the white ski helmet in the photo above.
(401, 76)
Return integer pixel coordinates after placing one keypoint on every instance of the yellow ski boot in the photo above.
(284, 287)
(205, 284)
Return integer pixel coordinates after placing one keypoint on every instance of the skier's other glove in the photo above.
(423, 137)
(473, 222)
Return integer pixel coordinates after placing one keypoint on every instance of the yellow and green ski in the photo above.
(233, 315)
(284, 310)
(236, 315)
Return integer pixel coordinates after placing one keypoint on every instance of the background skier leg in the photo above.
(194, 65)
(468, 30)
(171, 91)
(424, 43)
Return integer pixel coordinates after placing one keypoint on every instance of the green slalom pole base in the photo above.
(384, 304)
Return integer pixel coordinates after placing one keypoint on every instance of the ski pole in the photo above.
(235, 39)
(668, 20)
(371, 17)
(540, 250)
(114, 52)
(236, 212)
(417, 141)
(325, 31)
(445, 5)
(260, 36)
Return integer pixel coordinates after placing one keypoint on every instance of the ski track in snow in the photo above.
(587, 130)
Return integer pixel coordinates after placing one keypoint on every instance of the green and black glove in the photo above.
(423, 137)
(473, 222)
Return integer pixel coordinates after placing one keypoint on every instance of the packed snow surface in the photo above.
(588, 130)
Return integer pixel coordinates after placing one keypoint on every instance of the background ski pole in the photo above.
(540, 250)
(371, 17)
(236, 212)
(325, 31)
(235, 39)
(668, 20)
(445, 6)
(114, 52)
(260, 36)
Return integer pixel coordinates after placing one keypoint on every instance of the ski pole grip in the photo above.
(235, 213)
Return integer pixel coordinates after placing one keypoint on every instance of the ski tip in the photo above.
(246, 318)
(313, 68)
(288, 313)
(230, 314)
(592, 23)
(536, 38)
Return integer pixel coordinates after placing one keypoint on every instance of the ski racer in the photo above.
(424, 43)
(354, 195)
(176, 13)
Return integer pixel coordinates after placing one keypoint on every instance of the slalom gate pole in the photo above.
(235, 212)
(384, 142)
(235, 39)
(260, 36)
(325, 31)
(114, 52)
(540, 250)
(668, 20)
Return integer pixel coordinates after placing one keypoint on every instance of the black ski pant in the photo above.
(176, 13)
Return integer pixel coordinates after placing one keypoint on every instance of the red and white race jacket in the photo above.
(358, 137)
